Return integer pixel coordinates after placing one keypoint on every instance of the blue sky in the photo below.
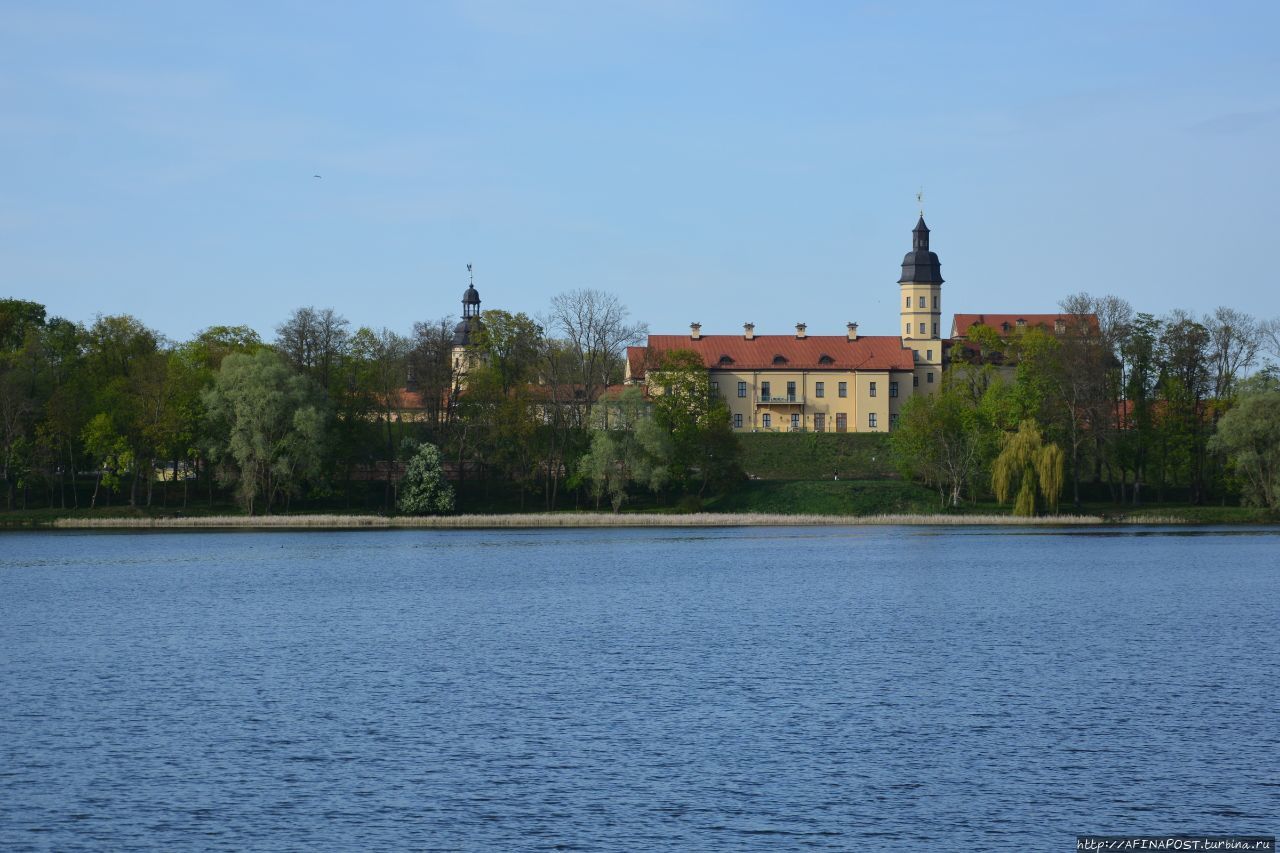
(711, 161)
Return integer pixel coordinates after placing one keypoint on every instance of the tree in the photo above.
(18, 317)
(313, 341)
(1235, 341)
(509, 345)
(1184, 385)
(1027, 464)
(628, 449)
(424, 490)
(705, 453)
(1249, 437)
(123, 359)
(266, 425)
(381, 360)
(944, 439)
(596, 329)
(431, 368)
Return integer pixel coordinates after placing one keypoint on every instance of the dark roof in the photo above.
(961, 323)
(464, 333)
(471, 296)
(920, 266)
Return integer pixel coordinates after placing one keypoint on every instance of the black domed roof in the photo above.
(471, 296)
(465, 332)
(921, 266)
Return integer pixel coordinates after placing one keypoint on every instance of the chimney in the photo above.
(800, 327)
(853, 331)
(695, 331)
(748, 331)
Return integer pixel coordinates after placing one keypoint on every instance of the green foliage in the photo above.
(1249, 437)
(424, 490)
(511, 345)
(945, 440)
(266, 426)
(705, 454)
(628, 450)
(19, 318)
(1027, 464)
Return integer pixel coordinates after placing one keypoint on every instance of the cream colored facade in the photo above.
(830, 383)
(813, 400)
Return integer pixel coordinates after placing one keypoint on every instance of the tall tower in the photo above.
(464, 333)
(920, 303)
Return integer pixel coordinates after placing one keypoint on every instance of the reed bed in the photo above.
(576, 519)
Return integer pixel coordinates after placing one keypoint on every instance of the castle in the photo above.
(824, 383)
(820, 383)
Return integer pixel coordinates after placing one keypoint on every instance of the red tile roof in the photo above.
(878, 352)
(961, 322)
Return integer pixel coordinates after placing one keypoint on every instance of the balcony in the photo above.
(779, 399)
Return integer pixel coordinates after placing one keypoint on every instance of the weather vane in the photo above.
(472, 275)
(920, 200)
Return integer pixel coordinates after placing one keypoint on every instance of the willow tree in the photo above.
(1027, 464)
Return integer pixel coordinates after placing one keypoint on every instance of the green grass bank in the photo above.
(817, 456)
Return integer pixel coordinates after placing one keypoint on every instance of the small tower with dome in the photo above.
(920, 295)
(465, 333)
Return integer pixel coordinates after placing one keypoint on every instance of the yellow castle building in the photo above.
(823, 383)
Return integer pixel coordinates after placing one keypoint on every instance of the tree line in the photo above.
(111, 412)
(1122, 406)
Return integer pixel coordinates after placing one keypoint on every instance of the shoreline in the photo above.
(528, 521)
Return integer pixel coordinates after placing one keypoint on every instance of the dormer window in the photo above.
(779, 359)
(826, 359)
(1004, 327)
(1021, 322)
(725, 359)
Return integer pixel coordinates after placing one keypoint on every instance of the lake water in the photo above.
(769, 688)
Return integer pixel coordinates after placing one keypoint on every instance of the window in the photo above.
(766, 420)
(795, 422)
(873, 389)
(908, 329)
(928, 355)
(920, 302)
(893, 389)
(935, 330)
(819, 422)
(791, 392)
(842, 390)
(764, 390)
(908, 301)
(915, 381)
(842, 422)
(715, 386)
(935, 303)
(922, 328)
(893, 420)
(742, 389)
(928, 377)
(819, 389)
(737, 420)
(871, 420)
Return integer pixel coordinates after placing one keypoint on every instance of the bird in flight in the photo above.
(315, 176)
